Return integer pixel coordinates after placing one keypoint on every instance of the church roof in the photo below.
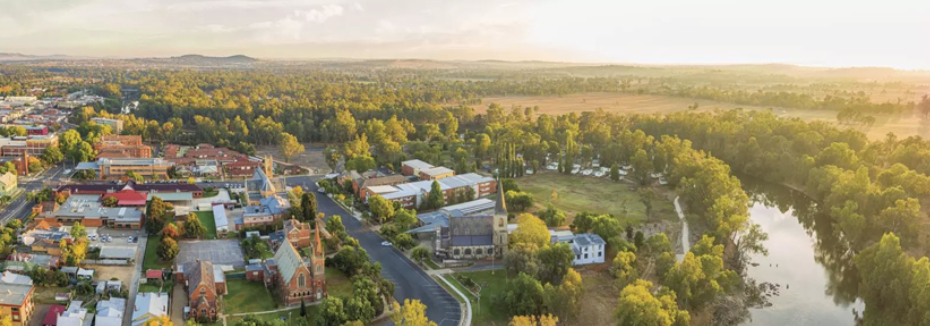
(288, 260)
(500, 208)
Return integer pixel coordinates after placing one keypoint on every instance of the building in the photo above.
(455, 189)
(413, 167)
(475, 236)
(34, 145)
(268, 210)
(436, 173)
(115, 124)
(110, 312)
(202, 291)
(15, 279)
(51, 317)
(430, 221)
(296, 232)
(75, 315)
(152, 189)
(242, 167)
(127, 197)
(300, 279)
(122, 146)
(16, 302)
(89, 210)
(8, 183)
(220, 219)
(150, 168)
(366, 183)
(148, 306)
(588, 248)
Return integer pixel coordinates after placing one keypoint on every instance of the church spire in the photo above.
(317, 244)
(500, 208)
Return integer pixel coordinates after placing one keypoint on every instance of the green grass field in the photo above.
(599, 195)
(337, 284)
(207, 219)
(151, 260)
(244, 296)
(312, 311)
(484, 312)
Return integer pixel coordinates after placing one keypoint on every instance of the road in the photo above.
(21, 209)
(410, 281)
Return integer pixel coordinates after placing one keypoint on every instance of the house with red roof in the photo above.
(51, 318)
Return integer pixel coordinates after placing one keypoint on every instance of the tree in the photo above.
(412, 313)
(623, 268)
(110, 201)
(332, 156)
(83, 152)
(193, 227)
(168, 249)
(303, 305)
(564, 300)
(531, 232)
(521, 259)
(382, 208)
(289, 146)
(522, 295)
(156, 215)
(420, 254)
(404, 241)
(160, 321)
(554, 260)
(170, 230)
(334, 225)
(52, 155)
(615, 172)
(642, 166)
(78, 231)
(308, 208)
(553, 216)
(520, 201)
(544, 320)
(405, 218)
(15, 224)
(6, 320)
(332, 312)
(132, 175)
(639, 307)
(435, 200)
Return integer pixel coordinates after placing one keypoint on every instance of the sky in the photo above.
(890, 33)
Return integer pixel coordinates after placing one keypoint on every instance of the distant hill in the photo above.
(202, 60)
(8, 56)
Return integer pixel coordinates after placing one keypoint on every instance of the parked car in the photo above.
(385, 244)
(587, 172)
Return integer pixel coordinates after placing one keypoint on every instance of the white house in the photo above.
(148, 306)
(110, 312)
(74, 316)
(589, 249)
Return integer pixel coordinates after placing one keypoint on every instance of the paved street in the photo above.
(19, 208)
(410, 281)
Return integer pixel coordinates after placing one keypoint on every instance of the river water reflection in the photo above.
(815, 274)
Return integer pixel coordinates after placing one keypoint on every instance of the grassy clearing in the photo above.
(46, 294)
(245, 296)
(338, 284)
(599, 195)
(151, 260)
(207, 219)
(210, 192)
(312, 311)
(484, 312)
(431, 264)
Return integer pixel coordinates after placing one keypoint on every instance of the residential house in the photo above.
(149, 306)
(268, 210)
(110, 312)
(15, 279)
(589, 249)
(75, 315)
(300, 279)
(296, 232)
(8, 184)
(16, 302)
(51, 317)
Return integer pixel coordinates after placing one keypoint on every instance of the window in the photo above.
(455, 252)
(15, 317)
(600, 253)
(585, 256)
(302, 280)
(500, 222)
(478, 251)
(203, 311)
(319, 268)
(468, 251)
(319, 294)
(203, 291)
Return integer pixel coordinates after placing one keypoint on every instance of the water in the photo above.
(816, 275)
(685, 231)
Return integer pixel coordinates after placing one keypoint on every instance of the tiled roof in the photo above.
(202, 273)
(288, 260)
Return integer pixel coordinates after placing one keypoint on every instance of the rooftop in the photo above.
(437, 170)
(14, 294)
(417, 164)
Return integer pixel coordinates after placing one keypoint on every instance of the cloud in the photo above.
(319, 15)
(194, 6)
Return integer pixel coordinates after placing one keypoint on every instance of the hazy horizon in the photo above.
(824, 33)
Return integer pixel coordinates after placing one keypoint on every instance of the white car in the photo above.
(575, 170)
(552, 167)
(529, 171)
(321, 190)
(586, 172)
(598, 174)
(385, 244)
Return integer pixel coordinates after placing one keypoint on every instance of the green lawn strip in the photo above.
(245, 296)
(207, 219)
(446, 286)
(484, 312)
(598, 195)
(431, 264)
(312, 311)
(151, 260)
(337, 284)
(148, 288)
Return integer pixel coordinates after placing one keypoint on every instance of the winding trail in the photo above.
(685, 231)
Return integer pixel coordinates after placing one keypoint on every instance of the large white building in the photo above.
(588, 248)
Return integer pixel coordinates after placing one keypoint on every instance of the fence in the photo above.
(110, 262)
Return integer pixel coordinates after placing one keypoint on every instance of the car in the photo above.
(68, 171)
(321, 190)
(129, 240)
(92, 237)
(575, 170)
(586, 172)
(386, 244)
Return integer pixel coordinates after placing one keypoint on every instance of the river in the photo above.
(816, 277)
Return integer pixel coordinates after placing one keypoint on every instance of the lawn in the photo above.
(207, 219)
(312, 311)
(431, 264)
(337, 284)
(244, 296)
(578, 193)
(493, 285)
(210, 192)
(151, 260)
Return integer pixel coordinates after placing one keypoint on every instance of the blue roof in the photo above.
(87, 166)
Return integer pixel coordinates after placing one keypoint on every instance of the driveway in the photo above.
(410, 281)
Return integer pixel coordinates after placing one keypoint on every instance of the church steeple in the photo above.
(317, 243)
(500, 208)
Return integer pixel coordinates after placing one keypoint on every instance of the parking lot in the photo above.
(220, 252)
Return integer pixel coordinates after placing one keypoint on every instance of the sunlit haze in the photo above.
(807, 32)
